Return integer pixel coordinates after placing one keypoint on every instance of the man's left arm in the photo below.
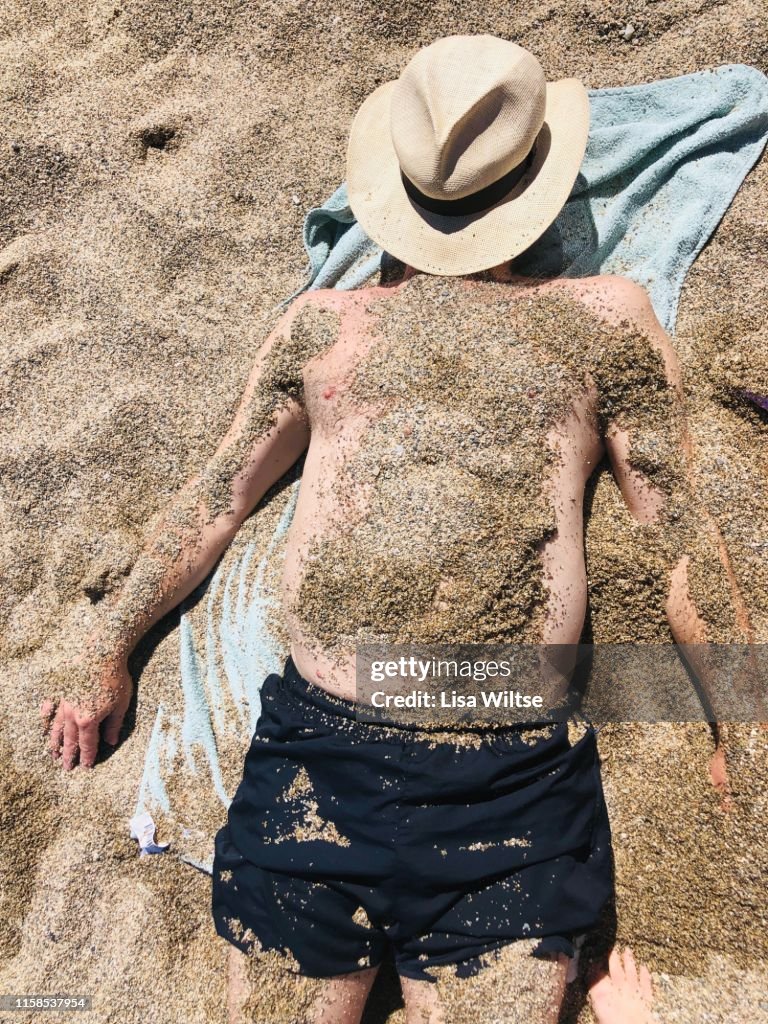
(647, 502)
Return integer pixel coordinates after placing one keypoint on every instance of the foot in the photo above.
(625, 994)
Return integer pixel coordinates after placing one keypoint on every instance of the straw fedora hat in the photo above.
(468, 157)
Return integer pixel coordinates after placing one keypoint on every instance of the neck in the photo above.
(501, 273)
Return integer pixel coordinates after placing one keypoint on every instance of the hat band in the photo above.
(475, 202)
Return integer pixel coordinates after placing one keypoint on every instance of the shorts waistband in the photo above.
(315, 699)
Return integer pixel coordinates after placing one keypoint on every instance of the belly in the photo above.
(423, 552)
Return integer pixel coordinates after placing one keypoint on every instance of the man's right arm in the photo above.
(269, 433)
(258, 449)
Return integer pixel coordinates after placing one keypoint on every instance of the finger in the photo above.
(630, 968)
(615, 966)
(718, 773)
(69, 753)
(112, 725)
(57, 733)
(718, 770)
(646, 985)
(88, 741)
(47, 711)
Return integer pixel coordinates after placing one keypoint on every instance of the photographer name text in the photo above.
(452, 699)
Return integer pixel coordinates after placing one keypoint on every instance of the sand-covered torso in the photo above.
(440, 419)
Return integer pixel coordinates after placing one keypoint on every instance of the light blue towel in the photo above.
(663, 163)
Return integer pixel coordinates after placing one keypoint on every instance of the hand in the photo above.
(622, 993)
(73, 726)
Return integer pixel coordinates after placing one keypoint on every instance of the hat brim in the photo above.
(439, 244)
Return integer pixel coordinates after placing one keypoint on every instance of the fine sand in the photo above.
(156, 162)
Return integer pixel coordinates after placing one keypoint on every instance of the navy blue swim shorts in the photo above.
(348, 838)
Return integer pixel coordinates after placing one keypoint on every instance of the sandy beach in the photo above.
(156, 163)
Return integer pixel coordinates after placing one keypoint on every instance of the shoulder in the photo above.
(338, 299)
(614, 298)
(348, 309)
(306, 306)
(330, 300)
(623, 303)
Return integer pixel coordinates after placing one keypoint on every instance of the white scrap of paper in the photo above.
(143, 828)
(573, 966)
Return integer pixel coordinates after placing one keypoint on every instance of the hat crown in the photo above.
(465, 111)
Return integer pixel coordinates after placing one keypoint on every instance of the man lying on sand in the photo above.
(450, 423)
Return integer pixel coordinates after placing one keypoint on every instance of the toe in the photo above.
(615, 967)
(646, 985)
(630, 969)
